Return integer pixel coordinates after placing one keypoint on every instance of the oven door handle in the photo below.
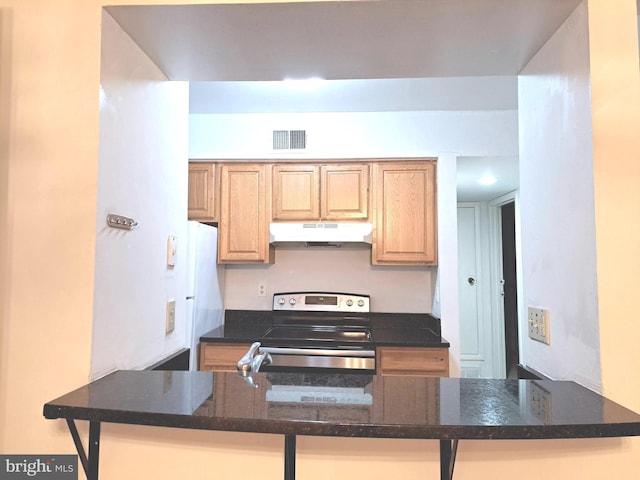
(318, 351)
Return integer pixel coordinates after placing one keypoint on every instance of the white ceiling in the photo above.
(470, 169)
(382, 55)
(343, 39)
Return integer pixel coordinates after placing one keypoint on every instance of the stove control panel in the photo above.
(321, 302)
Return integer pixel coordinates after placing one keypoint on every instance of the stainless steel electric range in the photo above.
(319, 330)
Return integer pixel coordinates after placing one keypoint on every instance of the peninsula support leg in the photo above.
(448, 451)
(289, 457)
(94, 450)
(90, 462)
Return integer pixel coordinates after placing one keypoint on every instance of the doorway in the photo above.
(488, 288)
(505, 283)
(509, 291)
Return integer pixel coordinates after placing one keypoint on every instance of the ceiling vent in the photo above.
(289, 139)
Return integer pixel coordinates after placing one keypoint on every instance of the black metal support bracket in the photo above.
(289, 457)
(78, 443)
(90, 462)
(448, 452)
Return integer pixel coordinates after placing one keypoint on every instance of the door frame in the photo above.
(495, 273)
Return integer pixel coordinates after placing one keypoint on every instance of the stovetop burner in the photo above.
(320, 333)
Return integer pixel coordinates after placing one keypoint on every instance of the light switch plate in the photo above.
(171, 316)
(172, 248)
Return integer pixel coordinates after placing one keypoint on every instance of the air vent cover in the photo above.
(289, 139)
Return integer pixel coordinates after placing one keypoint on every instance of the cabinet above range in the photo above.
(312, 192)
(397, 197)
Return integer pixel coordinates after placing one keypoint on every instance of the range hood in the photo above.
(320, 234)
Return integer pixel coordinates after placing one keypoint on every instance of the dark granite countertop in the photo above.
(387, 329)
(350, 405)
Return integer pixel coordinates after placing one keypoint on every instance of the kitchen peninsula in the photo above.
(347, 405)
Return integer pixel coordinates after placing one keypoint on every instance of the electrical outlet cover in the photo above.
(538, 319)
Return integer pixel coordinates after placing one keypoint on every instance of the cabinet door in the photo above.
(202, 204)
(221, 357)
(405, 230)
(243, 232)
(418, 361)
(296, 192)
(344, 192)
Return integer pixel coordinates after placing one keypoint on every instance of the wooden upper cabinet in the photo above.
(202, 192)
(405, 230)
(243, 224)
(344, 192)
(296, 190)
(320, 192)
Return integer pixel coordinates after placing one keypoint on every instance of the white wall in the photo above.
(392, 289)
(445, 302)
(557, 205)
(358, 134)
(143, 175)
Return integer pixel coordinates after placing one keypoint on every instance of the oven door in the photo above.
(352, 360)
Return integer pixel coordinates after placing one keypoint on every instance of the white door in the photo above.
(474, 358)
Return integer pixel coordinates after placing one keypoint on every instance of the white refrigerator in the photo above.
(205, 286)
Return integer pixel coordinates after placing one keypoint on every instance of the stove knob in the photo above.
(292, 301)
(281, 300)
(349, 302)
(361, 303)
